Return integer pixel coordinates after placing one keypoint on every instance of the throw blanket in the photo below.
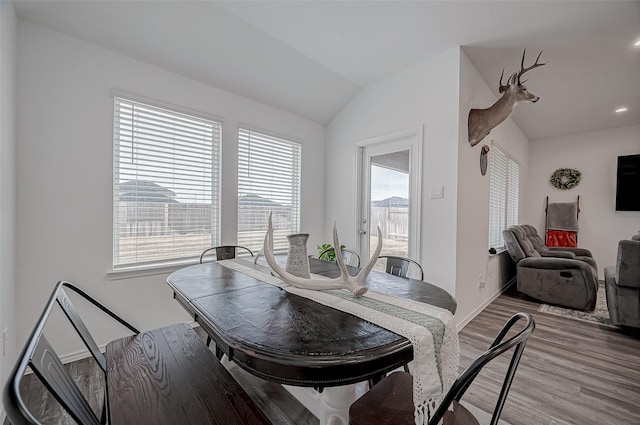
(431, 330)
(562, 216)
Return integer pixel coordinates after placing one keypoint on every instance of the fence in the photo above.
(393, 222)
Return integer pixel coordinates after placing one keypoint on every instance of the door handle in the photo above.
(363, 232)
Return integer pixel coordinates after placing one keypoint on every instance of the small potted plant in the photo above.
(327, 253)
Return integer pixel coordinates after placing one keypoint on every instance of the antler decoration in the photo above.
(356, 284)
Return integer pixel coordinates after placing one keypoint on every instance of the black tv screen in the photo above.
(628, 184)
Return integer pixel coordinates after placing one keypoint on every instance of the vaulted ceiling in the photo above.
(311, 57)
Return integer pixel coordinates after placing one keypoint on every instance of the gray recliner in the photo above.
(562, 276)
(623, 284)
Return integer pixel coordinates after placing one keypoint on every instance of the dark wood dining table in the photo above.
(286, 338)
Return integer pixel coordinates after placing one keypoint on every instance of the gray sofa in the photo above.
(562, 276)
(623, 284)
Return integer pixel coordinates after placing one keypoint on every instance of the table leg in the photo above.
(331, 406)
(335, 403)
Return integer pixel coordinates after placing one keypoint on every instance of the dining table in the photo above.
(317, 352)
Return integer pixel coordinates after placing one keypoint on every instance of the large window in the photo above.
(166, 184)
(504, 177)
(268, 182)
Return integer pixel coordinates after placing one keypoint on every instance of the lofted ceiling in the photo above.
(310, 57)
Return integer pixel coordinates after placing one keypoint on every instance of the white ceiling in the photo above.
(311, 57)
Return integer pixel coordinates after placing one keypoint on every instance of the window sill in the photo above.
(152, 270)
(498, 251)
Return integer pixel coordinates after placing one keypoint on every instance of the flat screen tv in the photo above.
(628, 184)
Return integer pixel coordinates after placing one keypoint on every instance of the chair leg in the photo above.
(208, 341)
(406, 368)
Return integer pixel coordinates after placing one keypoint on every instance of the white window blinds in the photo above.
(166, 184)
(513, 184)
(268, 182)
(504, 180)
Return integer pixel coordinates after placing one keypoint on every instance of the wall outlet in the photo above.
(5, 341)
(481, 281)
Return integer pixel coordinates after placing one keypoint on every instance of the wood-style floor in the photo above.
(571, 372)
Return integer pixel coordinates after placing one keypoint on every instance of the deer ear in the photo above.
(513, 79)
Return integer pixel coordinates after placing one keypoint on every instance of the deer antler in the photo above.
(356, 284)
(502, 88)
(523, 69)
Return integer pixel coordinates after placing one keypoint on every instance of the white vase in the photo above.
(297, 258)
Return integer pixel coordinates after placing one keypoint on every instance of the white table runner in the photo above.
(431, 330)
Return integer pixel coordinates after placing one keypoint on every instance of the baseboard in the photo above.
(484, 305)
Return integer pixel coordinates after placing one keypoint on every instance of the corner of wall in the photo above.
(8, 77)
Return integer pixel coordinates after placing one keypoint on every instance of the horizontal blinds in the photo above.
(497, 196)
(166, 184)
(504, 183)
(513, 184)
(268, 182)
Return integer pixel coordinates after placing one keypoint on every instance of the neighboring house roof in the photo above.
(257, 200)
(145, 191)
(394, 201)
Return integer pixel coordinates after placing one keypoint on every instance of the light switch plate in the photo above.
(436, 191)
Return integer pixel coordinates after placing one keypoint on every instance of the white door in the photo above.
(390, 194)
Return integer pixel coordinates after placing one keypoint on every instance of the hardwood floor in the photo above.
(571, 372)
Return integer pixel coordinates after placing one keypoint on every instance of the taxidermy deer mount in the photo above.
(482, 121)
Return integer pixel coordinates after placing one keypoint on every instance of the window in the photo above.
(268, 182)
(166, 184)
(504, 178)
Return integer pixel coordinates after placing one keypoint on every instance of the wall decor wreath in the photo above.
(565, 178)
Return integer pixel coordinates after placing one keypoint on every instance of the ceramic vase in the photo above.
(297, 258)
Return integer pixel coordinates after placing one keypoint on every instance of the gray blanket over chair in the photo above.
(562, 216)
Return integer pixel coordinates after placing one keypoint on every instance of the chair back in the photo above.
(498, 347)
(628, 264)
(391, 400)
(47, 366)
(224, 252)
(400, 266)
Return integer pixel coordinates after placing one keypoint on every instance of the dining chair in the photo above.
(402, 266)
(391, 400)
(224, 252)
(350, 257)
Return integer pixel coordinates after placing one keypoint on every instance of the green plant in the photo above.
(330, 255)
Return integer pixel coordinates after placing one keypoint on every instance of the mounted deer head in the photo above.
(482, 121)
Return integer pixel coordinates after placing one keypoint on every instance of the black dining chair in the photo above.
(401, 266)
(350, 257)
(223, 252)
(391, 400)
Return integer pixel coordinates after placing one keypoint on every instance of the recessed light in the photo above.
(621, 110)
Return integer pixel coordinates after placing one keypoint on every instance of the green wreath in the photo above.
(565, 178)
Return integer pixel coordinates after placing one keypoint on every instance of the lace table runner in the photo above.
(430, 329)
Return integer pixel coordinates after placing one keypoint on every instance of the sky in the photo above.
(386, 183)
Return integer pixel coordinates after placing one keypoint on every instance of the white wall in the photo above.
(595, 155)
(423, 95)
(473, 260)
(8, 28)
(64, 174)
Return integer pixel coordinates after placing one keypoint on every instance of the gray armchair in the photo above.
(562, 276)
(623, 284)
